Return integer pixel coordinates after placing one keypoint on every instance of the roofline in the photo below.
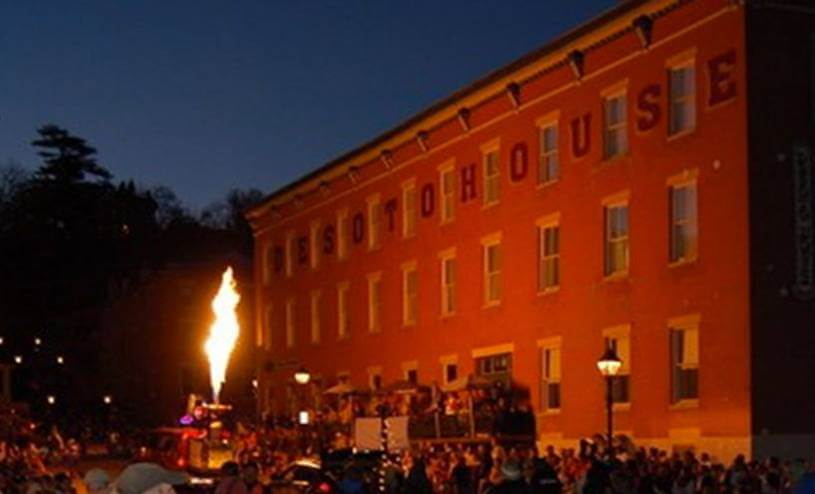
(557, 43)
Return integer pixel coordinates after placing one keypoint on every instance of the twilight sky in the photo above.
(207, 95)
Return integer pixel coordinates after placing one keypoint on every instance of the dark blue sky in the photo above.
(204, 96)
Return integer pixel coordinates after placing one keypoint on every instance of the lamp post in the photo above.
(608, 365)
(302, 377)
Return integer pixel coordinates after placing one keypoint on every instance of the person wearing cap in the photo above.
(512, 480)
(141, 478)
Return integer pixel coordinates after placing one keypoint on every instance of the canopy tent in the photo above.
(340, 389)
(404, 387)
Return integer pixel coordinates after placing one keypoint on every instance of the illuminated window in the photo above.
(343, 312)
(492, 271)
(616, 239)
(374, 302)
(684, 234)
(290, 323)
(615, 135)
(548, 163)
(492, 177)
(548, 256)
(410, 291)
(342, 234)
(684, 363)
(448, 283)
(448, 194)
(409, 209)
(550, 376)
(315, 316)
(682, 104)
(374, 222)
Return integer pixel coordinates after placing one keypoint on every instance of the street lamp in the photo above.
(51, 399)
(18, 359)
(609, 365)
(107, 399)
(60, 359)
(302, 376)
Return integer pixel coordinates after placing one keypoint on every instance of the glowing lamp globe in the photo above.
(51, 400)
(609, 363)
(302, 376)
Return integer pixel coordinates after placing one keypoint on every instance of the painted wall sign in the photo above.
(804, 286)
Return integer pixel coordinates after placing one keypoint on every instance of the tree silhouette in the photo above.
(67, 158)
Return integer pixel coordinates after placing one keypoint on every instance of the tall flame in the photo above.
(223, 333)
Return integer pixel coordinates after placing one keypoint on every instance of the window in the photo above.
(492, 271)
(289, 254)
(315, 317)
(492, 177)
(684, 363)
(269, 328)
(548, 164)
(495, 367)
(412, 376)
(616, 241)
(619, 340)
(374, 302)
(374, 222)
(448, 283)
(375, 378)
(290, 323)
(450, 372)
(615, 135)
(550, 377)
(314, 244)
(682, 87)
(343, 313)
(448, 194)
(684, 232)
(268, 264)
(548, 256)
(342, 234)
(410, 288)
(409, 209)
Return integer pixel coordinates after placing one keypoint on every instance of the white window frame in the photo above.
(410, 301)
(548, 158)
(551, 372)
(545, 258)
(689, 326)
(342, 234)
(343, 310)
(616, 202)
(291, 324)
(445, 361)
(314, 309)
(615, 134)
(410, 208)
(314, 244)
(690, 224)
(621, 337)
(682, 62)
(447, 192)
(374, 222)
(375, 302)
(407, 367)
(491, 180)
(494, 276)
(448, 286)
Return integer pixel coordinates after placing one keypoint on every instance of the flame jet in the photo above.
(223, 333)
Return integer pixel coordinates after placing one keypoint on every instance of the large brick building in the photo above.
(643, 181)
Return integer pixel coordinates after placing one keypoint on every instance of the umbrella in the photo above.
(340, 389)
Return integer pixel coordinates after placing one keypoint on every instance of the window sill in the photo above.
(549, 412)
(548, 184)
(682, 262)
(490, 305)
(621, 407)
(548, 291)
(618, 276)
(610, 160)
(489, 205)
(687, 404)
(681, 134)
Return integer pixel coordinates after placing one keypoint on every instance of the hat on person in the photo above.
(140, 477)
(510, 470)
(96, 479)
